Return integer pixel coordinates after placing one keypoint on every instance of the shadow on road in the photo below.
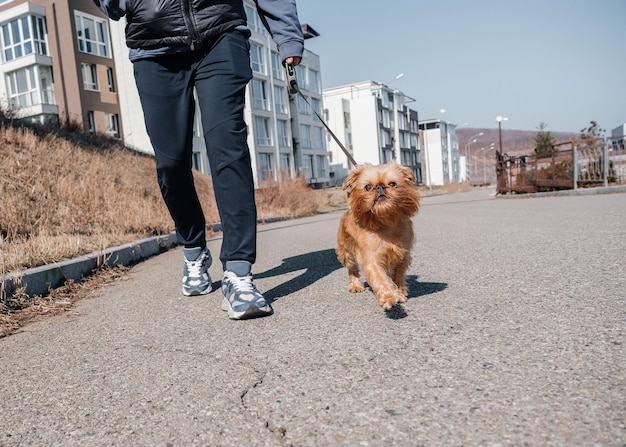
(316, 265)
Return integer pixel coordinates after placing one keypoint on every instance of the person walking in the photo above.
(176, 47)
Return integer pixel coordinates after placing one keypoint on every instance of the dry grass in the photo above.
(65, 194)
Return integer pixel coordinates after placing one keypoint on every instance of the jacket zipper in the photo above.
(188, 17)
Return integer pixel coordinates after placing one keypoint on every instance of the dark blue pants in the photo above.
(219, 72)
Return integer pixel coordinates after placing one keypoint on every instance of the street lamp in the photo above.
(484, 151)
(468, 148)
(499, 120)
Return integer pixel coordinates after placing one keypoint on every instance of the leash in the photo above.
(292, 84)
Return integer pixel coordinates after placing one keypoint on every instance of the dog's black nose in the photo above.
(380, 189)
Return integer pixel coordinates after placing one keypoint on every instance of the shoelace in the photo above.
(242, 283)
(194, 268)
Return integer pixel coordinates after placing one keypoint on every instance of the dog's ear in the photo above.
(408, 175)
(348, 183)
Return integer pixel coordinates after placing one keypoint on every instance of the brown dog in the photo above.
(376, 232)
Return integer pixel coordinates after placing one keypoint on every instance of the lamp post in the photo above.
(499, 157)
(468, 148)
(499, 120)
(484, 151)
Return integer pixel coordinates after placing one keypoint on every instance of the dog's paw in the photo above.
(388, 299)
(355, 286)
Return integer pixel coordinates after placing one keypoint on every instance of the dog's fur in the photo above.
(376, 232)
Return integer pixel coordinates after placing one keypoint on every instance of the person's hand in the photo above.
(293, 60)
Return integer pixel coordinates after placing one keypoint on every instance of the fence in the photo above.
(568, 166)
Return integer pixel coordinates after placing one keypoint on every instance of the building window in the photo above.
(277, 67)
(24, 36)
(305, 136)
(283, 133)
(262, 131)
(196, 161)
(254, 21)
(315, 105)
(318, 137)
(314, 81)
(307, 165)
(113, 129)
(285, 163)
(321, 166)
(259, 96)
(23, 87)
(279, 100)
(91, 123)
(92, 34)
(90, 77)
(302, 106)
(111, 79)
(257, 59)
(266, 168)
(301, 75)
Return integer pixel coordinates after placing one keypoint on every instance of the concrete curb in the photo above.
(40, 280)
(568, 192)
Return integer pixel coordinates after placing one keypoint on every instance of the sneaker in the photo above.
(196, 279)
(242, 300)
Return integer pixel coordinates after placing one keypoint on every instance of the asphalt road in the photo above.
(513, 335)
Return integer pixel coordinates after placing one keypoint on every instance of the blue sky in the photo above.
(562, 62)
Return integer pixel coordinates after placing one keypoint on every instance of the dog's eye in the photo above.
(368, 187)
(393, 184)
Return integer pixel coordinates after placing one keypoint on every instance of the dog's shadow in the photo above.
(415, 289)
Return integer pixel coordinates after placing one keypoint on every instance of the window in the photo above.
(305, 136)
(262, 129)
(318, 138)
(254, 21)
(23, 36)
(385, 138)
(283, 133)
(257, 61)
(279, 100)
(321, 166)
(259, 97)
(277, 67)
(285, 162)
(314, 81)
(113, 129)
(315, 105)
(90, 77)
(307, 165)
(110, 79)
(266, 169)
(302, 106)
(23, 87)
(301, 75)
(92, 34)
(91, 123)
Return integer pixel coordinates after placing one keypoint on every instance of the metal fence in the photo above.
(569, 165)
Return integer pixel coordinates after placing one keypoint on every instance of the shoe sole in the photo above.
(252, 312)
(209, 289)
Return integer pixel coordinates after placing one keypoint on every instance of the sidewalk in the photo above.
(513, 335)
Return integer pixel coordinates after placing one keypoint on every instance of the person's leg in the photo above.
(167, 100)
(221, 79)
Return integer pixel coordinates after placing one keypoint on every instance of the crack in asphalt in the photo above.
(281, 432)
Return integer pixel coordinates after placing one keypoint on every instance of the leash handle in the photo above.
(292, 81)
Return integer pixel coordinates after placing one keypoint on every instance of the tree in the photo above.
(544, 142)
(593, 132)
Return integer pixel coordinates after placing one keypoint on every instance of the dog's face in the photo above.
(379, 196)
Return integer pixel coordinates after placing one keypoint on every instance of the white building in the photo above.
(441, 152)
(375, 126)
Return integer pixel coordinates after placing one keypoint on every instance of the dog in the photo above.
(376, 232)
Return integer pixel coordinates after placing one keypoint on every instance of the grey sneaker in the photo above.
(242, 300)
(196, 279)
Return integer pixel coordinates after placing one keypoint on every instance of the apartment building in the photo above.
(57, 65)
(441, 152)
(374, 124)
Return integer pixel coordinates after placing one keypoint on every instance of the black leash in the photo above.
(292, 84)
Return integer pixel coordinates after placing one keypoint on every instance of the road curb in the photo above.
(40, 280)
